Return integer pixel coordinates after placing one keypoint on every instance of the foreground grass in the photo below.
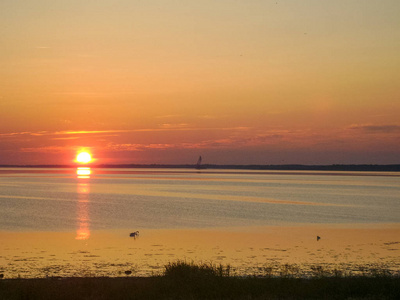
(183, 280)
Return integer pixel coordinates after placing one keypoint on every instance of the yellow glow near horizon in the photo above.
(83, 157)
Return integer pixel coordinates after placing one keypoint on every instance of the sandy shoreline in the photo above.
(249, 250)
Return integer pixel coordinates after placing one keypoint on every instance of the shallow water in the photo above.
(59, 200)
(54, 222)
(249, 251)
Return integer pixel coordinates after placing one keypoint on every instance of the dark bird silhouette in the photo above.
(318, 238)
(134, 234)
(128, 272)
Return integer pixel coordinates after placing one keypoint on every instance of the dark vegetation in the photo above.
(182, 280)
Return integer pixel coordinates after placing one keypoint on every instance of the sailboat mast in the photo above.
(198, 165)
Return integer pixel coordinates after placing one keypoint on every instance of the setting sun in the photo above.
(83, 158)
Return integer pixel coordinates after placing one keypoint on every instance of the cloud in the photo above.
(173, 126)
(49, 149)
(77, 132)
(56, 133)
(11, 134)
(375, 128)
(211, 117)
(138, 147)
(222, 143)
(162, 127)
(66, 138)
(168, 116)
(61, 133)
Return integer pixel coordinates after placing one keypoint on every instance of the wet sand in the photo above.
(249, 251)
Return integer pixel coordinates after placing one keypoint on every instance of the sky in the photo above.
(164, 81)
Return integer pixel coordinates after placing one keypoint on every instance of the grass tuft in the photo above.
(183, 269)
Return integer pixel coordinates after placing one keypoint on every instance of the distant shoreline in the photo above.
(290, 167)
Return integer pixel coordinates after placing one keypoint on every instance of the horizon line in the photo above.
(283, 167)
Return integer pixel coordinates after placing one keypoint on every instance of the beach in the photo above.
(249, 251)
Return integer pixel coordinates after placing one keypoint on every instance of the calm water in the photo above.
(61, 200)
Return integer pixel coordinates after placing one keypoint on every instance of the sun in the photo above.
(83, 157)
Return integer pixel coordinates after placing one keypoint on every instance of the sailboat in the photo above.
(198, 164)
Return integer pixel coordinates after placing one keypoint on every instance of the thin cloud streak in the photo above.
(222, 143)
(376, 128)
(164, 127)
(49, 149)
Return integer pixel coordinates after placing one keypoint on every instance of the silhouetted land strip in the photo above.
(201, 288)
(336, 167)
(182, 280)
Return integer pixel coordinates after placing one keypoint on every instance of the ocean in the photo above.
(60, 199)
(77, 222)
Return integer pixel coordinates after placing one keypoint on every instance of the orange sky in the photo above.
(258, 82)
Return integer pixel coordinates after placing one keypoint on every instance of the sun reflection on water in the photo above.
(83, 217)
(83, 172)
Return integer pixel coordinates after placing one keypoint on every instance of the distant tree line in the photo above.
(293, 167)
